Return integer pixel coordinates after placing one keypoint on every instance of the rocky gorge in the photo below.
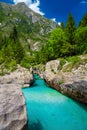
(13, 115)
(29, 39)
(72, 83)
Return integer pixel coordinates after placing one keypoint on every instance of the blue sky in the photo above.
(57, 10)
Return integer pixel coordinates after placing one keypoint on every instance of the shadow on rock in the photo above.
(34, 85)
(84, 106)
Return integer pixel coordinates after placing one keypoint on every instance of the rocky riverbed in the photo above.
(13, 114)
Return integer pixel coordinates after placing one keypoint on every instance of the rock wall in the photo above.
(13, 114)
(76, 90)
(20, 76)
(72, 84)
(12, 108)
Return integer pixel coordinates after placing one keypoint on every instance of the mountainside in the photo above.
(33, 29)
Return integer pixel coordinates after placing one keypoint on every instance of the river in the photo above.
(48, 109)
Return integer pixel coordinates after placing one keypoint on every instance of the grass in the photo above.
(52, 70)
(61, 81)
(40, 67)
(62, 62)
(73, 62)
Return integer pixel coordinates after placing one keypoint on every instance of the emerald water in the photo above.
(48, 109)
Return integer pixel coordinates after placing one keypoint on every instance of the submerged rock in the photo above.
(12, 108)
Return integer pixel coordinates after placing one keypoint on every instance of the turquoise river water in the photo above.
(48, 109)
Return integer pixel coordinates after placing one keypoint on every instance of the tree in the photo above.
(14, 34)
(83, 21)
(62, 25)
(56, 47)
(58, 44)
(1, 41)
(81, 40)
(70, 29)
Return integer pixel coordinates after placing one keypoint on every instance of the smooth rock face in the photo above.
(50, 69)
(73, 84)
(12, 103)
(20, 76)
(76, 90)
(12, 108)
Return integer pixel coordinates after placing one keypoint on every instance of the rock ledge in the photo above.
(72, 84)
(12, 108)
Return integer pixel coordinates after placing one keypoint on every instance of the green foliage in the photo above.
(65, 41)
(73, 59)
(14, 34)
(58, 43)
(52, 70)
(83, 21)
(7, 66)
(62, 25)
(12, 65)
(11, 52)
(60, 82)
(62, 62)
(70, 29)
(56, 47)
(81, 40)
(25, 62)
(2, 15)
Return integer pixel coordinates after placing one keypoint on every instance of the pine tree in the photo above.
(14, 34)
(70, 29)
(83, 21)
(1, 42)
(62, 25)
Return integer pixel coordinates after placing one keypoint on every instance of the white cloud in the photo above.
(28, 2)
(33, 5)
(83, 2)
(53, 19)
(59, 23)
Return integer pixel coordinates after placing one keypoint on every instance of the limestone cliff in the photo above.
(12, 108)
(20, 76)
(13, 114)
(72, 83)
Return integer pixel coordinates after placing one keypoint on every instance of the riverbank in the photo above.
(69, 79)
(13, 113)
